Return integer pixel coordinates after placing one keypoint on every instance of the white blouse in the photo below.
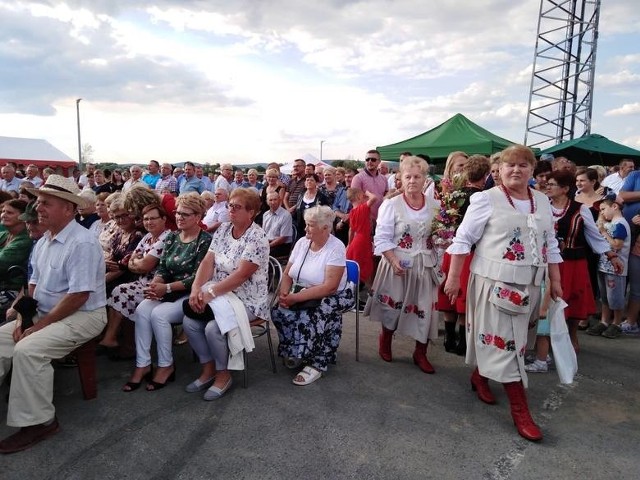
(477, 216)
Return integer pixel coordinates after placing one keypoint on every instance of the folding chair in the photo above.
(353, 276)
(260, 326)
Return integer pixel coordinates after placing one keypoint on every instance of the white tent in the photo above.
(308, 158)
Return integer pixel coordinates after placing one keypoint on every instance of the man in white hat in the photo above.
(68, 282)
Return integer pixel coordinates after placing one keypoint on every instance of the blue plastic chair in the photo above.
(353, 276)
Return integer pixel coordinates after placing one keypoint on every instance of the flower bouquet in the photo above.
(446, 221)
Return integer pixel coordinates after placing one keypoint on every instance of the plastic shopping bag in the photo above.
(563, 352)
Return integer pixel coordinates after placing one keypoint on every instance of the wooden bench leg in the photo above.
(86, 355)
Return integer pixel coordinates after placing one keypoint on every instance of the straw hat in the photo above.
(61, 187)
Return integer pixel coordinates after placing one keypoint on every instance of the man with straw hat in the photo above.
(68, 284)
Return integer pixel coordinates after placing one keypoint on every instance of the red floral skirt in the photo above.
(443, 304)
(576, 289)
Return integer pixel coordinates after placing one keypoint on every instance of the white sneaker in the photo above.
(537, 367)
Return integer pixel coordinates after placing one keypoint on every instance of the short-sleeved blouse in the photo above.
(180, 261)
(252, 246)
(308, 267)
(148, 246)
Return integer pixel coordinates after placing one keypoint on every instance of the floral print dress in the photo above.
(126, 297)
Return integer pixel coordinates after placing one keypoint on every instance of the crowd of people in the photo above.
(489, 245)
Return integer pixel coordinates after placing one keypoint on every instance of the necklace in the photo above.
(510, 200)
(404, 195)
(564, 210)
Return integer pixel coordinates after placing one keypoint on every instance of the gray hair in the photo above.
(320, 214)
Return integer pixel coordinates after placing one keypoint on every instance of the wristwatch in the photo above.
(211, 292)
(168, 288)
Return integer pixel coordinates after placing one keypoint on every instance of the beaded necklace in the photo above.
(564, 210)
(411, 206)
(510, 200)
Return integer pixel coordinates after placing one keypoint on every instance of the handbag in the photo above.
(204, 316)
(563, 352)
(509, 299)
(296, 287)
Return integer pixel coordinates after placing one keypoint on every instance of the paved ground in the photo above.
(365, 419)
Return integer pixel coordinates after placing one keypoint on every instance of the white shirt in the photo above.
(70, 262)
(221, 182)
(614, 182)
(313, 266)
(217, 213)
(278, 224)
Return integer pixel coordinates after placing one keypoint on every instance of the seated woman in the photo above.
(123, 243)
(232, 277)
(316, 271)
(183, 252)
(125, 297)
(15, 246)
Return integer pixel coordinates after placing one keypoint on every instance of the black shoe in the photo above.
(461, 347)
(450, 337)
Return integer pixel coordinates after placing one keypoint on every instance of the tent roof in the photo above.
(457, 133)
(32, 150)
(593, 149)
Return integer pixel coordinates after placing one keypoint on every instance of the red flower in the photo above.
(515, 298)
(509, 255)
(498, 342)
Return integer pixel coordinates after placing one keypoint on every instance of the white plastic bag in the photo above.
(563, 353)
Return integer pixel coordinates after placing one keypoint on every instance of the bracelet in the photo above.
(211, 292)
(168, 285)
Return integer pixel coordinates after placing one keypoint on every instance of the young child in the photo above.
(360, 246)
(612, 268)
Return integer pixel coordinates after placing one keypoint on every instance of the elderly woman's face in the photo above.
(123, 219)
(310, 183)
(413, 179)
(272, 180)
(153, 222)
(186, 218)
(238, 213)
(329, 177)
(515, 172)
(252, 176)
(9, 216)
(313, 230)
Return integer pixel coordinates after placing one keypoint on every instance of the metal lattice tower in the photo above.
(561, 95)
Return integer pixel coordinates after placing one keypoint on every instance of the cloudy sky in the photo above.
(267, 80)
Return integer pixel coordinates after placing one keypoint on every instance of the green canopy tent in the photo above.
(457, 133)
(593, 149)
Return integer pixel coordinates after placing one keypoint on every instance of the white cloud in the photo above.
(626, 109)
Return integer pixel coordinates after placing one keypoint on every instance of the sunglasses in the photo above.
(370, 159)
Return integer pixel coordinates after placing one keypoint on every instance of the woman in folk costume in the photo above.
(404, 290)
(512, 228)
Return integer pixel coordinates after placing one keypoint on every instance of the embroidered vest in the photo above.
(513, 246)
(413, 237)
(570, 233)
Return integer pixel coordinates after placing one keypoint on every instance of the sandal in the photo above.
(308, 375)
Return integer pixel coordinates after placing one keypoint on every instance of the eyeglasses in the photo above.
(370, 159)
(235, 206)
(150, 219)
(184, 214)
(120, 218)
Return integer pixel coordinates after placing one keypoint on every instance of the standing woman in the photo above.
(404, 289)
(512, 229)
(453, 169)
(475, 173)
(311, 197)
(577, 236)
(117, 179)
(183, 252)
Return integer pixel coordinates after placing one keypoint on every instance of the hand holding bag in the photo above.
(563, 352)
